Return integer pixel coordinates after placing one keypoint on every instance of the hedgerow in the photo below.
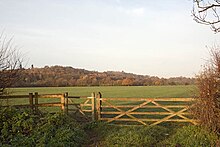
(21, 127)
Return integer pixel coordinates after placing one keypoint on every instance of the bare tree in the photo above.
(207, 12)
(207, 108)
(10, 62)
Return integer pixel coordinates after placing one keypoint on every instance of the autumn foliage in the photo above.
(68, 76)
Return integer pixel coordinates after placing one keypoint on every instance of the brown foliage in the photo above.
(207, 108)
(68, 76)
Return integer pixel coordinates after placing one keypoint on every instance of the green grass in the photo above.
(115, 91)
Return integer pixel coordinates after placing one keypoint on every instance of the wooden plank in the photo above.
(50, 96)
(66, 102)
(84, 105)
(149, 120)
(86, 102)
(23, 105)
(98, 105)
(77, 97)
(31, 100)
(148, 106)
(62, 101)
(13, 96)
(93, 106)
(84, 110)
(150, 99)
(50, 105)
(144, 113)
(36, 100)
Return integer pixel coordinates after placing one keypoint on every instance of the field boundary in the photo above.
(142, 111)
(33, 102)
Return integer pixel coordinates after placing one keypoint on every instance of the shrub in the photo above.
(15, 124)
(191, 136)
(20, 127)
(59, 130)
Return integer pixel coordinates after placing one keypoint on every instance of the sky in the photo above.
(156, 38)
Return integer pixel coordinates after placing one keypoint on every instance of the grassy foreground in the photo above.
(115, 91)
(22, 127)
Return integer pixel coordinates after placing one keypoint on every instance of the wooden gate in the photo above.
(82, 107)
(145, 111)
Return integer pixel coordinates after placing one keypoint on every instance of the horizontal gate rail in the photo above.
(154, 99)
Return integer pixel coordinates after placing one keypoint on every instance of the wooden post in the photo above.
(98, 105)
(62, 101)
(31, 101)
(66, 102)
(36, 100)
(93, 106)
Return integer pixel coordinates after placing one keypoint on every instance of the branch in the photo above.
(201, 13)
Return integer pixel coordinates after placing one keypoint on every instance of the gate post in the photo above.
(31, 101)
(66, 102)
(62, 101)
(36, 100)
(93, 106)
(98, 105)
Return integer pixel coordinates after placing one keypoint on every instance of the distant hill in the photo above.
(69, 76)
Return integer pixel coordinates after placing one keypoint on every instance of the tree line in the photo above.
(69, 76)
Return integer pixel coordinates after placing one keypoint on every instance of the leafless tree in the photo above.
(10, 62)
(207, 108)
(207, 12)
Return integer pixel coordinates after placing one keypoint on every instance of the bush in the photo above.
(207, 107)
(191, 136)
(20, 127)
(59, 130)
(15, 124)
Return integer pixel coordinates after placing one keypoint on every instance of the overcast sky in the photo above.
(157, 38)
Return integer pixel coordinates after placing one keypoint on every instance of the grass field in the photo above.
(115, 91)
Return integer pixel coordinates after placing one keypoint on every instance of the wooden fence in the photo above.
(33, 101)
(65, 102)
(144, 111)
